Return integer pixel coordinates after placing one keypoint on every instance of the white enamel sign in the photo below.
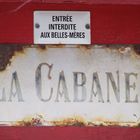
(95, 84)
(62, 27)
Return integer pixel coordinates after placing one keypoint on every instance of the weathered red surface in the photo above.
(80, 1)
(115, 22)
(112, 22)
(69, 133)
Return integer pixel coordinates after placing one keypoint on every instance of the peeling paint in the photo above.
(42, 47)
(136, 49)
(70, 121)
(36, 120)
(83, 60)
(85, 48)
(77, 121)
(6, 53)
(133, 50)
(56, 46)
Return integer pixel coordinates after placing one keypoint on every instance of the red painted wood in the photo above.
(111, 23)
(80, 1)
(69, 133)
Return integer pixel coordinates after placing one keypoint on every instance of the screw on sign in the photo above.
(62, 27)
(37, 25)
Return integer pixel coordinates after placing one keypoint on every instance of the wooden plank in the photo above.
(111, 24)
